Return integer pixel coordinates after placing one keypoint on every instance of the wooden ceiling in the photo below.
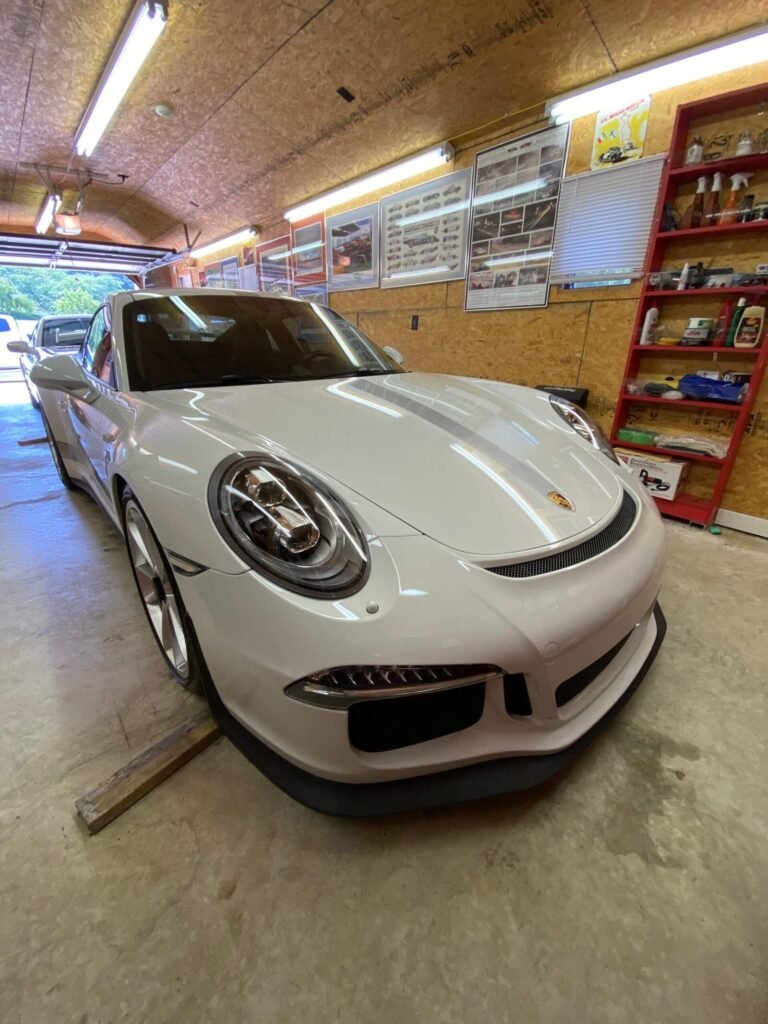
(258, 124)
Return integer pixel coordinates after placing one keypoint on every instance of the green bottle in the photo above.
(737, 315)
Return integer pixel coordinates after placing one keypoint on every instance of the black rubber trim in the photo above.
(368, 799)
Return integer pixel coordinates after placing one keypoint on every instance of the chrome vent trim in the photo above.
(607, 538)
(341, 687)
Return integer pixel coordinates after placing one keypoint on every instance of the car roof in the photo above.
(64, 316)
(149, 293)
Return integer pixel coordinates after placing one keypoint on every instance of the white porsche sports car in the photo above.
(396, 589)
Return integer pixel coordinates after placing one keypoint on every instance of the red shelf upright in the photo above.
(688, 507)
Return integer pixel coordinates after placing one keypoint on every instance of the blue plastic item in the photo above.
(708, 390)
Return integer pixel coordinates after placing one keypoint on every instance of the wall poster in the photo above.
(273, 259)
(229, 275)
(620, 133)
(514, 208)
(353, 249)
(210, 276)
(424, 232)
(317, 293)
(308, 250)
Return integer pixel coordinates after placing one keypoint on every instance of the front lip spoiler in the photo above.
(471, 782)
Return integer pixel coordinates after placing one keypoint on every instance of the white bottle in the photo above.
(682, 283)
(648, 333)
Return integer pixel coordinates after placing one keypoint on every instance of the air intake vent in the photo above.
(618, 528)
(342, 687)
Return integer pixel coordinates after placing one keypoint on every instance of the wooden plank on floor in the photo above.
(140, 776)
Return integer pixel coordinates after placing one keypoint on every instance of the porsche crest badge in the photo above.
(560, 500)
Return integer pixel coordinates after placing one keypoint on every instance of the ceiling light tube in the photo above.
(390, 175)
(736, 51)
(47, 212)
(244, 235)
(147, 20)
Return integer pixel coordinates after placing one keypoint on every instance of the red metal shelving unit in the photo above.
(687, 506)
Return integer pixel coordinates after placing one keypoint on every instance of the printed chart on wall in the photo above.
(514, 209)
(353, 248)
(317, 293)
(424, 232)
(274, 262)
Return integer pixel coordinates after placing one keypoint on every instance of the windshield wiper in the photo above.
(224, 381)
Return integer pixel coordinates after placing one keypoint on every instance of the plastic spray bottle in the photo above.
(712, 202)
(731, 211)
(693, 215)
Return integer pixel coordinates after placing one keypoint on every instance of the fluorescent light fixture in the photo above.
(147, 20)
(47, 211)
(511, 193)
(390, 175)
(737, 51)
(238, 237)
(415, 273)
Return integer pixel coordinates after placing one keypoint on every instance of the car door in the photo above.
(90, 418)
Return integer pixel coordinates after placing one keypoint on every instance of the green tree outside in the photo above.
(28, 292)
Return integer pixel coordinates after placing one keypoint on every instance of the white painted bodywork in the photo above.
(446, 476)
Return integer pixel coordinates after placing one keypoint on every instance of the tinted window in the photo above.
(201, 339)
(95, 334)
(64, 332)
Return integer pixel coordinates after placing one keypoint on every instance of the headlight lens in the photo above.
(584, 425)
(288, 525)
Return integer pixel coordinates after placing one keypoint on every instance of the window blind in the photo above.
(603, 222)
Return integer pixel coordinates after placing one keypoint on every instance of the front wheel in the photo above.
(159, 595)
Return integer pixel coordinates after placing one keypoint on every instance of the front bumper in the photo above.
(471, 782)
(434, 607)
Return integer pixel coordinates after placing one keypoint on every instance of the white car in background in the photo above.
(395, 588)
(63, 333)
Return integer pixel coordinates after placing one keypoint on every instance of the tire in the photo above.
(58, 462)
(159, 596)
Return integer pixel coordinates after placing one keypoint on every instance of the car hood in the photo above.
(477, 465)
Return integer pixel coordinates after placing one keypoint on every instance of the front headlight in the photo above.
(584, 425)
(288, 525)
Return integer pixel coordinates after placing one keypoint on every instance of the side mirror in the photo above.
(63, 373)
(395, 354)
(19, 346)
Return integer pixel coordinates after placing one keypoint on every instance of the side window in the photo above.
(95, 333)
(102, 361)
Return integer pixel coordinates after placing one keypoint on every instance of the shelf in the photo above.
(700, 349)
(690, 293)
(687, 507)
(691, 403)
(710, 231)
(653, 450)
(731, 165)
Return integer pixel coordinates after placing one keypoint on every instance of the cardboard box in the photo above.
(662, 477)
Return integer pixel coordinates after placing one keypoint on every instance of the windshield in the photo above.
(177, 341)
(65, 332)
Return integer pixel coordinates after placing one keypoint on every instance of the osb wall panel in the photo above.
(582, 337)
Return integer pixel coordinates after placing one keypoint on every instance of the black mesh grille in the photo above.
(618, 527)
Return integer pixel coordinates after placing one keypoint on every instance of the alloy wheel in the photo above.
(156, 589)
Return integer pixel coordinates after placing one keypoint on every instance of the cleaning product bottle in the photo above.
(723, 322)
(731, 211)
(682, 283)
(712, 202)
(750, 327)
(648, 333)
(693, 215)
(734, 326)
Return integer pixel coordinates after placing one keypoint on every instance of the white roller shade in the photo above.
(603, 222)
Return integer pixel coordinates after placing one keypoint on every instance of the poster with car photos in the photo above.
(273, 259)
(317, 293)
(512, 222)
(352, 248)
(424, 232)
(308, 250)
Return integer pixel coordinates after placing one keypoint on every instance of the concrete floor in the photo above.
(635, 888)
